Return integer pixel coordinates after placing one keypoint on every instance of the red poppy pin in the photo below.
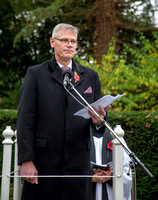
(109, 146)
(76, 77)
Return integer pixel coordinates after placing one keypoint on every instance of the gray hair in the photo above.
(62, 26)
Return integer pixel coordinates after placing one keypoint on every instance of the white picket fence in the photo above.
(7, 174)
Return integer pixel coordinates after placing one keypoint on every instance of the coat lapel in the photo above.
(106, 156)
(77, 70)
(92, 151)
(56, 71)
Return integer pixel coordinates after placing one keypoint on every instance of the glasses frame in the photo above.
(66, 41)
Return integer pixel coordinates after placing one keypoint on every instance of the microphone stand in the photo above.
(133, 157)
(132, 166)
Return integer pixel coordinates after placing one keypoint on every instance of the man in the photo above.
(101, 153)
(51, 140)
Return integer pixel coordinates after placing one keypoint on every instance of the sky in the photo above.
(155, 8)
(155, 2)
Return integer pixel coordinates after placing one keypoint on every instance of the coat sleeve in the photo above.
(26, 117)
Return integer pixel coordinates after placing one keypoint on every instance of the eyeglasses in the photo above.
(66, 41)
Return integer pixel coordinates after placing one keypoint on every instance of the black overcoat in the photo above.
(49, 134)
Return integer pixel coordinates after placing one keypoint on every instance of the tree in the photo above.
(118, 19)
(14, 60)
(29, 24)
(137, 77)
(6, 51)
(100, 19)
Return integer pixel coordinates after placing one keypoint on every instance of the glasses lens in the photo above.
(66, 41)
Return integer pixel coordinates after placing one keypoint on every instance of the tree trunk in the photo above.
(106, 28)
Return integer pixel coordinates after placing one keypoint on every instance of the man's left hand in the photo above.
(99, 172)
(101, 112)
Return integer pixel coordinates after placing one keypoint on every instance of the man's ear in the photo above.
(52, 42)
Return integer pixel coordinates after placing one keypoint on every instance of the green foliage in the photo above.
(34, 21)
(141, 135)
(39, 15)
(134, 73)
(13, 60)
(7, 118)
(11, 97)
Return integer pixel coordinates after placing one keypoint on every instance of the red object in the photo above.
(76, 77)
(109, 146)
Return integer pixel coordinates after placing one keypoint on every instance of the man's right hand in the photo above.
(28, 169)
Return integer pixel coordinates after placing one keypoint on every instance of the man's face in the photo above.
(64, 52)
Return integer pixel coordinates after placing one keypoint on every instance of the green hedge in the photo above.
(141, 135)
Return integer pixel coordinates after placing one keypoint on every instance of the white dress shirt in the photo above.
(69, 65)
(98, 151)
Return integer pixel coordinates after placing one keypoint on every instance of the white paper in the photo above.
(104, 102)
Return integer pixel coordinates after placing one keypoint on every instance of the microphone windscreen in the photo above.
(68, 72)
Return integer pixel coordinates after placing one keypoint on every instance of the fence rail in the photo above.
(8, 144)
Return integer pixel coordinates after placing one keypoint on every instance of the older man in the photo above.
(51, 140)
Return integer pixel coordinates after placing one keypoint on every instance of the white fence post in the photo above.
(118, 164)
(6, 166)
(17, 180)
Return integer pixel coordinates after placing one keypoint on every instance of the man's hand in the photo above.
(102, 112)
(29, 169)
(99, 172)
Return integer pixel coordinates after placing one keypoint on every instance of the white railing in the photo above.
(117, 156)
(8, 133)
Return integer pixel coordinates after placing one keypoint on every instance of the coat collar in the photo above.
(57, 72)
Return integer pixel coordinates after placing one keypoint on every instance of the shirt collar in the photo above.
(69, 65)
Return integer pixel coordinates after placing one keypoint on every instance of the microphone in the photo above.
(67, 75)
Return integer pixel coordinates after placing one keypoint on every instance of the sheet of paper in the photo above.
(104, 102)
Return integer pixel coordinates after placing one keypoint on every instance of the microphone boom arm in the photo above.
(103, 122)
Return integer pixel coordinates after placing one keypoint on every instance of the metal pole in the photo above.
(133, 180)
